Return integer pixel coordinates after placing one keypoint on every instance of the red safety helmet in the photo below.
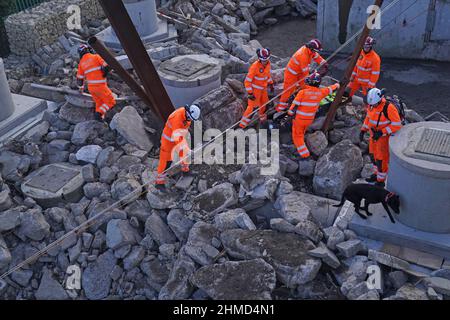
(83, 49)
(368, 45)
(315, 45)
(263, 54)
(314, 79)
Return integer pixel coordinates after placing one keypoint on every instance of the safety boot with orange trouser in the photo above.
(92, 70)
(367, 70)
(256, 83)
(297, 71)
(382, 121)
(173, 140)
(304, 108)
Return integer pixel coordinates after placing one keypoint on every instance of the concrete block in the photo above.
(378, 227)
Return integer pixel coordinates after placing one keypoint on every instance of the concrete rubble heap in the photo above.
(215, 225)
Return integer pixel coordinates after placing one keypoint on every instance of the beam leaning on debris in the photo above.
(100, 48)
(348, 73)
(135, 50)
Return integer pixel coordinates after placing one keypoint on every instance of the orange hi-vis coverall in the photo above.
(376, 120)
(296, 70)
(90, 70)
(307, 104)
(366, 72)
(256, 82)
(173, 135)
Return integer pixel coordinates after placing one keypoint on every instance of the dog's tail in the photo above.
(340, 204)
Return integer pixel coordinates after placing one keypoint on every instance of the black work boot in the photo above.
(372, 179)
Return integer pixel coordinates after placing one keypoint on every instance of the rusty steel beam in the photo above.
(348, 73)
(106, 54)
(135, 50)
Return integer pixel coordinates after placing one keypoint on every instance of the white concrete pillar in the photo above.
(143, 15)
(6, 102)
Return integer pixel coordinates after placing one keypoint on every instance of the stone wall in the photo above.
(33, 29)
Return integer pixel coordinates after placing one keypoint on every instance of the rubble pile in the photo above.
(254, 235)
(170, 245)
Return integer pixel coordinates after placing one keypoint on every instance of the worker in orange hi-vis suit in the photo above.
(304, 108)
(92, 70)
(297, 71)
(256, 83)
(367, 70)
(173, 140)
(382, 121)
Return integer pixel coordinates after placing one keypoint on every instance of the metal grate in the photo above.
(435, 142)
(52, 178)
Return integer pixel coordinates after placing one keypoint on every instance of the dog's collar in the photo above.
(388, 196)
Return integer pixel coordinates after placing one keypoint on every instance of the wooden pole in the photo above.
(348, 73)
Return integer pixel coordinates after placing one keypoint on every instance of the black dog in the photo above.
(371, 194)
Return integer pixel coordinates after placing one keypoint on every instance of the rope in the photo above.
(119, 203)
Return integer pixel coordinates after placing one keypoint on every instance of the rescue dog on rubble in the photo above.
(371, 195)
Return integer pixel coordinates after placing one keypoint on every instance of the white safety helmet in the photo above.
(374, 96)
(193, 112)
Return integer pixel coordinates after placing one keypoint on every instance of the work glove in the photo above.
(361, 136)
(376, 135)
(252, 97)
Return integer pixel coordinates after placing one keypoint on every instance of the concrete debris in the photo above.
(234, 219)
(5, 254)
(159, 230)
(88, 154)
(337, 169)
(130, 125)
(50, 289)
(120, 233)
(242, 280)
(216, 199)
(350, 248)
(96, 281)
(327, 256)
(179, 224)
(287, 253)
(292, 208)
(178, 285)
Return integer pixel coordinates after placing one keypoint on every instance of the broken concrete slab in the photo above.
(241, 280)
(326, 255)
(380, 228)
(131, 126)
(286, 252)
(216, 199)
(54, 184)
